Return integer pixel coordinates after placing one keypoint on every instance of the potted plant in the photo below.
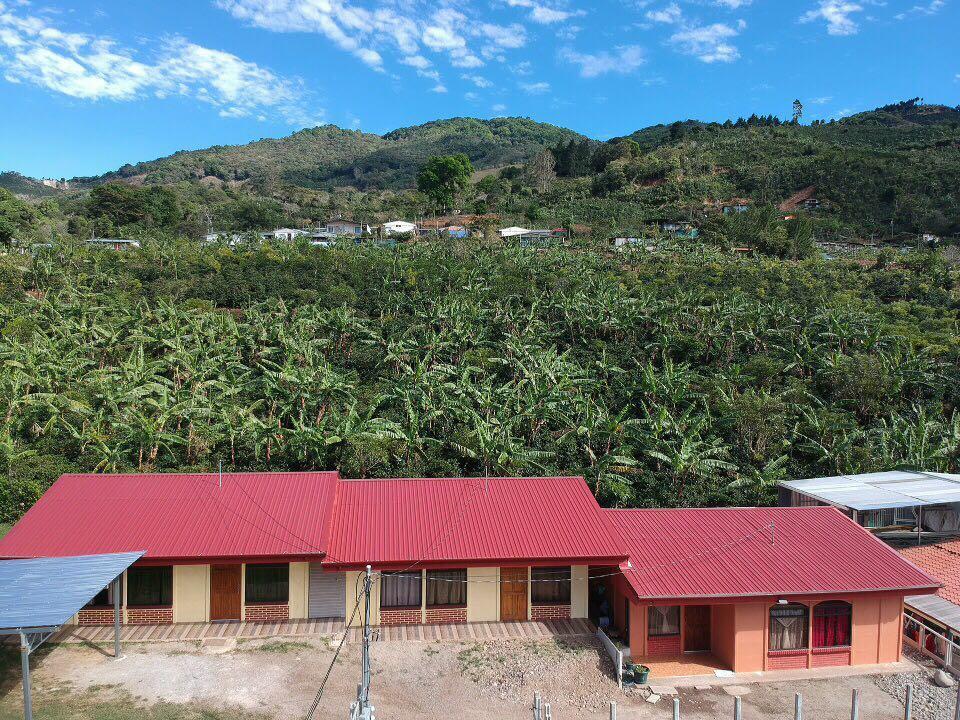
(629, 670)
(640, 674)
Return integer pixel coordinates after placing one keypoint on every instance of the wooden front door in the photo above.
(696, 628)
(513, 594)
(225, 592)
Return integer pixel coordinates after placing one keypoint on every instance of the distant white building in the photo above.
(399, 227)
(284, 234)
(513, 231)
(228, 238)
(113, 243)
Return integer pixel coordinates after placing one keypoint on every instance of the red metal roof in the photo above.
(941, 561)
(400, 522)
(178, 516)
(731, 552)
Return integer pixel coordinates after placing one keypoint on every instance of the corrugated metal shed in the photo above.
(468, 519)
(47, 592)
(941, 561)
(876, 491)
(734, 552)
(174, 516)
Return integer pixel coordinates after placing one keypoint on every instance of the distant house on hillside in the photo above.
(284, 234)
(513, 231)
(805, 199)
(398, 227)
(478, 222)
(228, 238)
(535, 238)
(679, 229)
(341, 226)
(455, 231)
(113, 243)
(735, 206)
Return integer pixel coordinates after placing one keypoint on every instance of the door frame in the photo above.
(526, 591)
(239, 595)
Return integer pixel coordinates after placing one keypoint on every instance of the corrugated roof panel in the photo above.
(467, 519)
(47, 592)
(876, 491)
(688, 553)
(175, 516)
(941, 561)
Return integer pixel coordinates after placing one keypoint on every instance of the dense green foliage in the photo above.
(678, 378)
(443, 178)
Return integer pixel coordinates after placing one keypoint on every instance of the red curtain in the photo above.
(831, 628)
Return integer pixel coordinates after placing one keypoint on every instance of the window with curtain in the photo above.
(663, 620)
(788, 627)
(550, 585)
(149, 586)
(401, 589)
(104, 598)
(267, 583)
(446, 588)
(831, 624)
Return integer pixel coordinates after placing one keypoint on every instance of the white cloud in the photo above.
(88, 67)
(569, 32)
(821, 100)
(537, 88)
(670, 14)
(931, 8)
(708, 43)
(405, 27)
(522, 68)
(439, 88)
(499, 108)
(624, 59)
(546, 15)
(478, 80)
(836, 14)
(733, 4)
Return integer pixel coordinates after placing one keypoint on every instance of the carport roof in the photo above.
(880, 490)
(47, 592)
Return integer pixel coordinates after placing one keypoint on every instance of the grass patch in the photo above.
(278, 646)
(73, 708)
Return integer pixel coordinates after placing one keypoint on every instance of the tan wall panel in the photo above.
(579, 591)
(750, 637)
(890, 638)
(865, 631)
(191, 593)
(483, 594)
(299, 590)
(723, 633)
(353, 587)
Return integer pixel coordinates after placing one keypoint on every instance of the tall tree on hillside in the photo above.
(443, 178)
(540, 171)
(797, 111)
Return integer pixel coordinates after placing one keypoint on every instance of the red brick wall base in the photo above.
(787, 660)
(663, 645)
(446, 615)
(98, 616)
(400, 616)
(149, 616)
(267, 613)
(830, 657)
(549, 612)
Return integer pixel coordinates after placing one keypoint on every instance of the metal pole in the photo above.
(365, 699)
(855, 706)
(25, 668)
(116, 618)
(676, 708)
(737, 708)
(956, 707)
(908, 703)
(798, 707)
(613, 710)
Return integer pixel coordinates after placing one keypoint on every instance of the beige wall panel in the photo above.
(483, 594)
(191, 593)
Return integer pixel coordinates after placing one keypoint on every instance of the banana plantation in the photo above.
(687, 377)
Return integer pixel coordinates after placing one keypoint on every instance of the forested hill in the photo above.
(329, 156)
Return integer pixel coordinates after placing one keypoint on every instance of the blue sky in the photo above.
(88, 85)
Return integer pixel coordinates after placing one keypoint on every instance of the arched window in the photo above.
(831, 624)
(788, 627)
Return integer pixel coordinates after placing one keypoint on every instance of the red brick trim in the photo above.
(549, 612)
(788, 659)
(149, 615)
(400, 616)
(830, 657)
(267, 612)
(446, 615)
(96, 616)
(663, 645)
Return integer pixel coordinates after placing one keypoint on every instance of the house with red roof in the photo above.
(756, 588)
(939, 613)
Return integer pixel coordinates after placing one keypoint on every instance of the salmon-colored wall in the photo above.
(739, 633)
(723, 636)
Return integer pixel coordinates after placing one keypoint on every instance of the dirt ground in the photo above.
(429, 681)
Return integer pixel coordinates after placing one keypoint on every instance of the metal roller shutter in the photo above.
(327, 593)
